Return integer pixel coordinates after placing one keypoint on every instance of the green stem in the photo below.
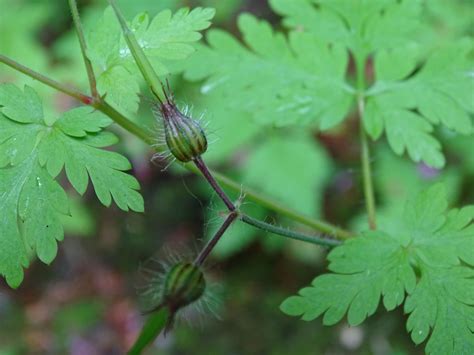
(279, 208)
(141, 133)
(153, 326)
(289, 233)
(141, 59)
(47, 81)
(124, 122)
(364, 141)
(82, 42)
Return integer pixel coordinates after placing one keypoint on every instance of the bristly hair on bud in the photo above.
(178, 286)
(184, 136)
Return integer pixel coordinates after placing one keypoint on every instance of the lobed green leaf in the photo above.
(32, 155)
(407, 106)
(277, 80)
(432, 242)
(165, 39)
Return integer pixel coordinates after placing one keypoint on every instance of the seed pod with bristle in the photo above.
(181, 285)
(184, 283)
(184, 135)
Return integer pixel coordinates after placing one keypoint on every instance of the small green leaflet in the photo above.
(165, 39)
(407, 106)
(432, 242)
(277, 80)
(32, 154)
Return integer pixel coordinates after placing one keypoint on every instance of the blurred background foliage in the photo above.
(86, 303)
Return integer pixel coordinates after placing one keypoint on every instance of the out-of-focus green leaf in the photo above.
(273, 79)
(362, 26)
(406, 107)
(292, 168)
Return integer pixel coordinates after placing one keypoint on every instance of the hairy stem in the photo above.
(82, 42)
(318, 240)
(47, 81)
(364, 141)
(214, 184)
(215, 239)
(279, 208)
(141, 133)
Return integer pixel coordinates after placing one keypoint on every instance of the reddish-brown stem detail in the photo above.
(215, 239)
(214, 184)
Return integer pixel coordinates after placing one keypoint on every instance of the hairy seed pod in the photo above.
(184, 136)
(184, 283)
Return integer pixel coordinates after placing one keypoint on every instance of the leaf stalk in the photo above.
(82, 42)
(368, 185)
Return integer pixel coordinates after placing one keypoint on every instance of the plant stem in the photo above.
(141, 59)
(47, 81)
(367, 171)
(360, 61)
(82, 42)
(263, 201)
(124, 122)
(288, 233)
(276, 206)
(141, 133)
(215, 239)
(151, 329)
(214, 184)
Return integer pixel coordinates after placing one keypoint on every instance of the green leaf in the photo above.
(364, 26)
(82, 159)
(166, 38)
(443, 301)
(23, 107)
(33, 154)
(31, 204)
(405, 130)
(357, 283)
(120, 87)
(430, 241)
(277, 80)
(42, 201)
(407, 107)
(295, 170)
